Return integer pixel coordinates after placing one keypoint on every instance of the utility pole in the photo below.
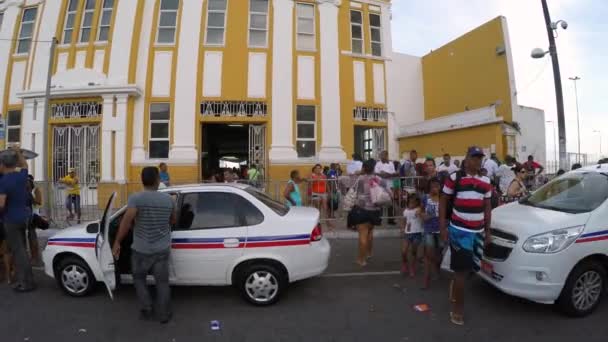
(45, 128)
(559, 96)
(578, 123)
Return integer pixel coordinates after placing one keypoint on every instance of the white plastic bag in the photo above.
(379, 195)
(445, 261)
(350, 199)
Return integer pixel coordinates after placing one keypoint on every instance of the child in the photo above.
(412, 227)
(431, 231)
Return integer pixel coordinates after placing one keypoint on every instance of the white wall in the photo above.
(532, 139)
(405, 95)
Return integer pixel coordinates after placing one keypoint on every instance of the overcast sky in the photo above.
(422, 25)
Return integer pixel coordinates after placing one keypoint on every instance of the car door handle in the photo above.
(231, 243)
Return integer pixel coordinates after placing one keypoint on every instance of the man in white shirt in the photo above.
(491, 166)
(505, 174)
(354, 167)
(447, 165)
(386, 170)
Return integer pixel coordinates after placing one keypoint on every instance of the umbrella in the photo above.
(27, 154)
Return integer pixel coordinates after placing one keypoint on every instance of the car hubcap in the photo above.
(587, 290)
(262, 286)
(75, 279)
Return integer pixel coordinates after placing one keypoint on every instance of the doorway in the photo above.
(369, 141)
(234, 146)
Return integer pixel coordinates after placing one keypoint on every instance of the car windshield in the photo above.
(276, 206)
(577, 192)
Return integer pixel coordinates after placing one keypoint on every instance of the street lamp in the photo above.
(600, 133)
(554, 140)
(578, 124)
(559, 96)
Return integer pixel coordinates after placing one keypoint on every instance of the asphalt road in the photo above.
(370, 305)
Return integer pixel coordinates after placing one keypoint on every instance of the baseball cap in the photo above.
(475, 151)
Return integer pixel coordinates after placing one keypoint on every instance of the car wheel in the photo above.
(74, 277)
(584, 289)
(261, 284)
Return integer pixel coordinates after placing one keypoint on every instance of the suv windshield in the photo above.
(277, 207)
(576, 192)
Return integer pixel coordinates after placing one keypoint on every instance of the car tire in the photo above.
(584, 289)
(74, 277)
(261, 284)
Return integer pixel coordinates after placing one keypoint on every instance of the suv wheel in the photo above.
(261, 284)
(74, 277)
(584, 289)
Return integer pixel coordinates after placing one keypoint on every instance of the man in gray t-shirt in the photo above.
(153, 214)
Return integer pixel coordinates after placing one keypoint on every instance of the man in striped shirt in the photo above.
(469, 193)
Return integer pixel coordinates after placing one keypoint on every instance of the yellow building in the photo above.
(470, 98)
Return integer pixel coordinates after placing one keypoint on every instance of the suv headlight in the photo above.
(554, 241)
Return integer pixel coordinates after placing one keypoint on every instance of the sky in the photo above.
(422, 25)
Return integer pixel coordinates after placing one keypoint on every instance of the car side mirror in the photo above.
(93, 228)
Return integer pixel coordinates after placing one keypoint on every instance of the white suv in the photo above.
(552, 247)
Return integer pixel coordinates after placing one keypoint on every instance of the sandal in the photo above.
(362, 264)
(456, 319)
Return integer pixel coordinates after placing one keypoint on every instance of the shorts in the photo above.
(466, 249)
(413, 238)
(359, 216)
(433, 240)
(75, 200)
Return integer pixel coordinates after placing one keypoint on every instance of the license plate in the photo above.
(487, 268)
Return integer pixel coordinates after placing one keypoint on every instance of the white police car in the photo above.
(225, 235)
(552, 247)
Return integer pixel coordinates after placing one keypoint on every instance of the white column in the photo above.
(107, 126)
(183, 150)
(120, 139)
(31, 133)
(118, 71)
(331, 148)
(6, 34)
(138, 154)
(387, 51)
(282, 148)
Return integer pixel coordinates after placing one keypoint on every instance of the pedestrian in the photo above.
(470, 195)
(354, 167)
(432, 243)
(365, 214)
(447, 165)
(517, 188)
(292, 193)
(165, 178)
(533, 170)
(33, 202)
(319, 192)
(412, 231)
(72, 182)
(491, 166)
(15, 215)
(385, 169)
(408, 166)
(253, 175)
(457, 163)
(150, 213)
(505, 175)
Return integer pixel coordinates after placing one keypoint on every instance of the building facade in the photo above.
(282, 84)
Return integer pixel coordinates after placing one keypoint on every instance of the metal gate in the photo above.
(78, 147)
(379, 136)
(257, 147)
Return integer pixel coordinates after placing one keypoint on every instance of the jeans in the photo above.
(15, 236)
(158, 265)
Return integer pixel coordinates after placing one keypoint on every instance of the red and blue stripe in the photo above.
(592, 237)
(251, 242)
(73, 242)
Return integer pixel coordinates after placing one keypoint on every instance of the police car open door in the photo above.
(103, 248)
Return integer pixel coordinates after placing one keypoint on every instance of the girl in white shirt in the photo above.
(412, 230)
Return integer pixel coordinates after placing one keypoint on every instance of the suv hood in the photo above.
(525, 221)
